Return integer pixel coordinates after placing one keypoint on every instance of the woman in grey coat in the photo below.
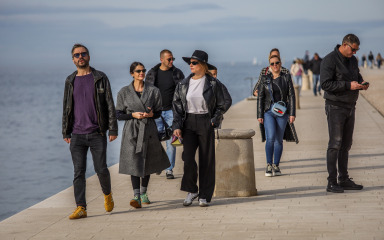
(141, 153)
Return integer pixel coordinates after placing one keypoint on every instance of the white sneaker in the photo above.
(203, 202)
(189, 199)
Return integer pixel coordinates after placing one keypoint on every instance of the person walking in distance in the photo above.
(315, 68)
(341, 81)
(166, 76)
(88, 113)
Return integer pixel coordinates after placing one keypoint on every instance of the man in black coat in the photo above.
(315, 68)
(341, 80)
(166, 76)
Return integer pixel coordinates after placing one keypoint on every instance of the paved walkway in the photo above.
(292, 206)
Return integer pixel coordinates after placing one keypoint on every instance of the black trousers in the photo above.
(199, 133)
(341, 122)
(80, 143)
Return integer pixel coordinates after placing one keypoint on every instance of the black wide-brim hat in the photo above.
(200, 56)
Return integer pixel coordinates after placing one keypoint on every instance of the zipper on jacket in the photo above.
(97, 109)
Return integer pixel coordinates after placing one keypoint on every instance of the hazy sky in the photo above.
(42, 32)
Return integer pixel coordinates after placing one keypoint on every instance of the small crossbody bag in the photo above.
(278, 108)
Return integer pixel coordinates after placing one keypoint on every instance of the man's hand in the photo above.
(67, 140)
(255, 93)
(177, 133)
(366, 86)
(111, 138)
(356, 86)
(261, 120)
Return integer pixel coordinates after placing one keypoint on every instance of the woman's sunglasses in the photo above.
(139, 71)
(273, 64)
(194, 63)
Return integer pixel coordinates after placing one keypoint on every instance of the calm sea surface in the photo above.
(35, 162)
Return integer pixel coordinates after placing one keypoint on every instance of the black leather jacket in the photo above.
(336, 74)
(264, 100)
(105, 108)
(213, 95)
(152, 74)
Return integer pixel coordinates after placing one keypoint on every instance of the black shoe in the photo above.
(169, 175)
(348, 184)
(334, 187)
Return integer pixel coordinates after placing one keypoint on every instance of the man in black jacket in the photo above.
(166, 76)
(341, 80)
(315, 68)
(88, 112)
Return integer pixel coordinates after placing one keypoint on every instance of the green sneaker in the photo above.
(135, 202)
(144, 199)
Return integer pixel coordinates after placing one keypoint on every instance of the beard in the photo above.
(83, 65)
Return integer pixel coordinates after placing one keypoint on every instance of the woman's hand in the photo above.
(148, 115)
(138, 115)
(177, 133)
(292, 119)
(261, 120)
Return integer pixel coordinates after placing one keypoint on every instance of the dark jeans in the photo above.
(199, 133)
(341, 122)
(79, 148)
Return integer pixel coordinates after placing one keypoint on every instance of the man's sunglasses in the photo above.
(169, 59)
(353, 49)
(273, 64)
(194, 63)
(139, 71)
(83, 54)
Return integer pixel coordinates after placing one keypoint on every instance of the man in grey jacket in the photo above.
(88, 112)
(341, 80)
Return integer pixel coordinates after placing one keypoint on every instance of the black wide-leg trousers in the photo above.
(199, 133)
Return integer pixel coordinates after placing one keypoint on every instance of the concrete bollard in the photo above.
(235, 169)
(305, 82)
(297, 96)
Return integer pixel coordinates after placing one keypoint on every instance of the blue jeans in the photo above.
(171, 150)
(274, 133)
(316, 80)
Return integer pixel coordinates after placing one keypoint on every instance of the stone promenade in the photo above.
(292, 206)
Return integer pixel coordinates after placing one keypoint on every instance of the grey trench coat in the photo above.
(141, 152)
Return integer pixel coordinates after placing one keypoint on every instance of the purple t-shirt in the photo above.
(85, 116)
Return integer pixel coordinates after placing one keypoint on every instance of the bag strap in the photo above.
(270, 91)
(166, 126)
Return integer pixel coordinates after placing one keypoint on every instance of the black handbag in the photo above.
(167, 133)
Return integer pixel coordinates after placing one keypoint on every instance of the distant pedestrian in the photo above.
(341, 81)
(379, 60)
(89, 112)
(371, 59)
(297, 73)
(364, 61)
(166, 76)
(198, 106)
(274, 87)
(305, 62)
(267, 70)
(141, 154)
(315, 68)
